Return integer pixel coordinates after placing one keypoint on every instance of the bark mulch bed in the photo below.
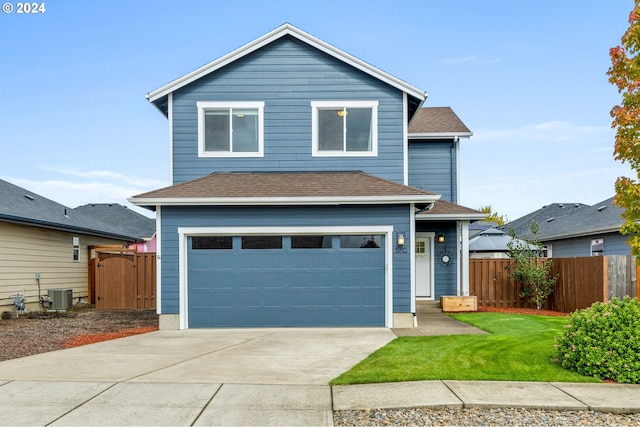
(41, 332)
(523, 311)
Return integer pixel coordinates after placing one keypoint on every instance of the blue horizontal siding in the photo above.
(287, 75)
(614, 244)
(432, 167)
(397, 216)
(446, 278)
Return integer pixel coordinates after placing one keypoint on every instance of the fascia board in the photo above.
(584, 233)
(273, 201)
(63, 227)
(440, 217)
(283, 30)
(440, 135)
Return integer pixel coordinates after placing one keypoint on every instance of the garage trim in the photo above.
(185, 232)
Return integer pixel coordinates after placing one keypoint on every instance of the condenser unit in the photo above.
(61, 299)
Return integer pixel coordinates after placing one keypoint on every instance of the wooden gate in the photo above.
(123, 279)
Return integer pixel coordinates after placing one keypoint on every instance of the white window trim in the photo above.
(205, 105)
(315, 105)
(185, 232)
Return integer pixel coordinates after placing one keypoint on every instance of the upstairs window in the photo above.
(344, 128)
(230, 129)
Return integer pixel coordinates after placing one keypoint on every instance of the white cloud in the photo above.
(459, 60)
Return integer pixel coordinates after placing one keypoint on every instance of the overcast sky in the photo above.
(528, 77)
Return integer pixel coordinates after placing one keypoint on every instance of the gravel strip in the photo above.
(41, 332)
(481, 417)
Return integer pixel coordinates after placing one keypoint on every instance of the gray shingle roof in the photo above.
(26, 207)
(565, 220)
(437, 120)
(119, 216)
(238, 187)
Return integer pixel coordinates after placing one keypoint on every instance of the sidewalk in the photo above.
(137, 403)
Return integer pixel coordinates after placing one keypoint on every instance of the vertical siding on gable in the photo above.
(287, 75)
(432, 167)
(174, 217)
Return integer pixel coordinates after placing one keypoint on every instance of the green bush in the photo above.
(604, 341)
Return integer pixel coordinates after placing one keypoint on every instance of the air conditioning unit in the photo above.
(61, 299)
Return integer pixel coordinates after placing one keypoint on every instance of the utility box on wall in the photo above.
(61, 299)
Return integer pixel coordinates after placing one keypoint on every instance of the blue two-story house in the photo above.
(310, 188)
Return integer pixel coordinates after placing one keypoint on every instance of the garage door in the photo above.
(300, 280)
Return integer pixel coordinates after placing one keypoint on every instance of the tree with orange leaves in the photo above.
(624, 73)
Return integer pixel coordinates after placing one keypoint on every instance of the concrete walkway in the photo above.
(248, 377)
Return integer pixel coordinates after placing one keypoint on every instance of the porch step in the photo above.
(428, 307)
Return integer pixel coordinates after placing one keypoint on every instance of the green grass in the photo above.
(518, 348)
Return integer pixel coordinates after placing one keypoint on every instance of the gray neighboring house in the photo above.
(490, 243)
(576, 230)
(131, 222)
(45, 245)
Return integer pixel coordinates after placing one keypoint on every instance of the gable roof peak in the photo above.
(158, 96)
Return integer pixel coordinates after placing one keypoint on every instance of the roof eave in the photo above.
(279, 201)
(581, 233)
(458, 216)
(440, 135)
(283, 30)
(64, 227)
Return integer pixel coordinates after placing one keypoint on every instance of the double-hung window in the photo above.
(230, 129)
(344, 128)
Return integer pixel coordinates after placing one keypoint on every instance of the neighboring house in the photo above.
(45, 245)
(577, 230)
(490, 243)
(309, 189)
(133, 223)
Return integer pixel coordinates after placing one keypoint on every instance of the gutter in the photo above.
(62, 227)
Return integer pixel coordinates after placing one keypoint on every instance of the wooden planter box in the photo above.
(456, 303)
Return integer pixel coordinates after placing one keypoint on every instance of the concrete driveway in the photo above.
(231, 356)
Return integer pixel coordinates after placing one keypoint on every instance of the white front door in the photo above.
(424, 271)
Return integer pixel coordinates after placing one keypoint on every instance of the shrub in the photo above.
(604, 341)
(529, 268)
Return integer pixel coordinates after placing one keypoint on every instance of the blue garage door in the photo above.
(275, 281)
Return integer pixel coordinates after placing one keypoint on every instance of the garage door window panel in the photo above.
(363, 241)
(212, 242)
(311, 242)
(261, 242)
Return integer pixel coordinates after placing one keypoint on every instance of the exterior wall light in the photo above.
(440, 238)
(400, 239)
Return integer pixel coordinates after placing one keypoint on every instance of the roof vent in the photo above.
(27, 196)
(601, 208)
(550, 219)
(561, 205)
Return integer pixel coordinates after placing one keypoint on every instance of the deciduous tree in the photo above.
(624, 73)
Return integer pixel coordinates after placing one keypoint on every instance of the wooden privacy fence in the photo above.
(122, 279)
(581, 282)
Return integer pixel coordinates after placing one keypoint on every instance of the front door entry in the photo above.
(424, 282)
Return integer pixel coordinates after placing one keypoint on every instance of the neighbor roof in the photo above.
(437, 122)
(282, 188)
(22, 206)
(158, 96)
(493, 240)
(121, 217)
(580, 220)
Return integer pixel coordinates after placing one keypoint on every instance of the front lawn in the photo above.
(518, 348)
